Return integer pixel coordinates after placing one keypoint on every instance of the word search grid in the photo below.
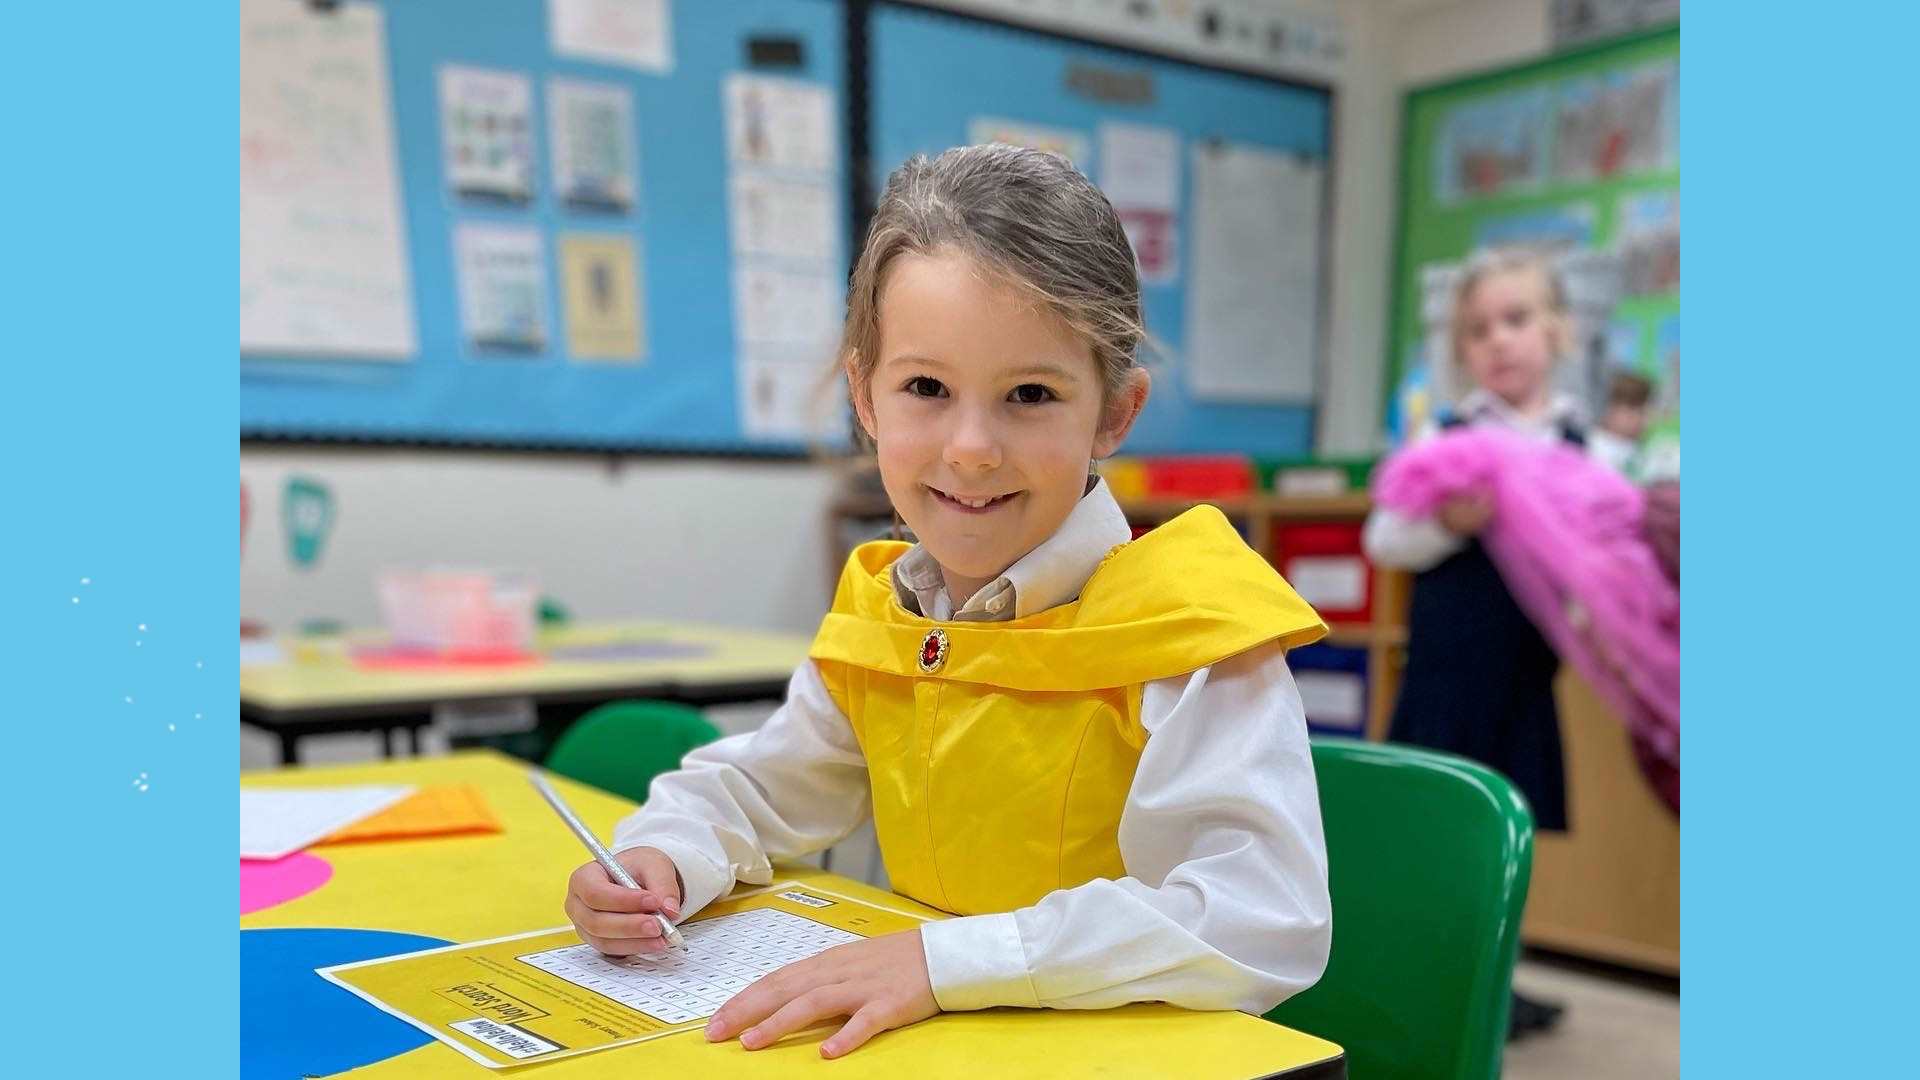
(722, 957)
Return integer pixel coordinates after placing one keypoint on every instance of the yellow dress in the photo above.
(1001, 753)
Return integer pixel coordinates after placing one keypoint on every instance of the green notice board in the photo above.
(1578, 152)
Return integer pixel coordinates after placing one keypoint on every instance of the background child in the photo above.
(1616, 438)
(1479, 676)
(1090, 749)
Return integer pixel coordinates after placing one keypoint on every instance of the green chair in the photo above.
(1428, 858)
(622, 745)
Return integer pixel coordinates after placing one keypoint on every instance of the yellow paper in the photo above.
(544, 995)
(600, 279)
(432, 811)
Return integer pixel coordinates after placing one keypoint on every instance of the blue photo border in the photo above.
(121, 560)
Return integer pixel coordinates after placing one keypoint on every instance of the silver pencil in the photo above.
(600, 853)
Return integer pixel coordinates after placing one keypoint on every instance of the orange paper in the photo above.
(431, 811)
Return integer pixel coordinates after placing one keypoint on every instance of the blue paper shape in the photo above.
(293, 1023)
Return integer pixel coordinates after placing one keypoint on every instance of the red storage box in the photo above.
(1206, 477)
(1324, 563)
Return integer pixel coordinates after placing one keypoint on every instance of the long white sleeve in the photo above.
(1225, 903)
(1394, 540)
(795, 786)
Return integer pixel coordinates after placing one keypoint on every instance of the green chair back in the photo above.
(622, 745)
(1428, 861)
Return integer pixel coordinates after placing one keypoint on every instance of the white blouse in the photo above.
(1224, 905)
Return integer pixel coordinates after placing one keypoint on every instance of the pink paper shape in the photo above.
(266, 883)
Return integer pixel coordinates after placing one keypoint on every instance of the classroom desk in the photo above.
(474, 887)
(698, 666)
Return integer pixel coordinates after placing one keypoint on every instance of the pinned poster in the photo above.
(1253, 304)
(1061, 142)
(503, 288)
(781, 219)
(486, 128)
(631, 33)
(1140, 174)
(784, 307)
(779, 124)
(599, 279)
(323, 234)
(593, 144)
(1493, 146)
(307, 512)
(787, 395)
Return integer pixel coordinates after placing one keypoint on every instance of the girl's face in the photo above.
(1509, 335)
(986, 410)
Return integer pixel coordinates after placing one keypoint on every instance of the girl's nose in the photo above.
(973, 443)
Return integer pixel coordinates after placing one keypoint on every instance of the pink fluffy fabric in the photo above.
(1567, 537)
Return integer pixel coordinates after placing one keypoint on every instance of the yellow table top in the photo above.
(467, 888)
(334, 680)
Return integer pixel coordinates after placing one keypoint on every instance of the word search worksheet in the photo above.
(545, 995)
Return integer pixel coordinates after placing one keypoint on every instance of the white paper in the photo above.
(781, 219)
(1062, 142)
(1328, 581)
(1140, 166)
(789, 394)
(786, 308)
(780, 124)
(486, 129)
(276, 822)
(323, 253)
(692, 983)
(1336, 699)
(1254, 298)
(503, 287)
(592, 128)
(633, 33)
(263, 653)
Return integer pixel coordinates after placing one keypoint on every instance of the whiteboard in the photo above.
(1253, 307)
(323, 258)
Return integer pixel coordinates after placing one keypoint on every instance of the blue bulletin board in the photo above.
(935, 75)
(682, 393)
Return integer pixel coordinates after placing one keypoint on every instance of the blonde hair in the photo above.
(1506, 260)
(1027, 217)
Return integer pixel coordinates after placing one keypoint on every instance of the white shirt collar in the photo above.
(1562, 411)
(1050, 575)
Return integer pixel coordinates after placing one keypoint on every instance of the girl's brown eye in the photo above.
(1032, 394)
(923, 386)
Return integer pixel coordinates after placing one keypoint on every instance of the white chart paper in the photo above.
(323, 252)
(780, 124)
(1253, 302)
(632, 33)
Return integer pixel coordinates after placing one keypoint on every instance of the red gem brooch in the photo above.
(933, 652)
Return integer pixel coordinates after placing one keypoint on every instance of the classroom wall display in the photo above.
(1218, 176)
(526, 261)
(1576, 156)
(323, 234)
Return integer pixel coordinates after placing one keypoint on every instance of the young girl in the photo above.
(1088, 749)
(1479, 675)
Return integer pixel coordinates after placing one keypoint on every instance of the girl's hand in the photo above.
(878, 983)
(620, 921)
(1466, 515)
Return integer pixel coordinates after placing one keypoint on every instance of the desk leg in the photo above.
(289, 748)
(386, 739)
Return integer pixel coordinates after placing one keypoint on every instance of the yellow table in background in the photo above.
(314, 691)
(468, 888)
